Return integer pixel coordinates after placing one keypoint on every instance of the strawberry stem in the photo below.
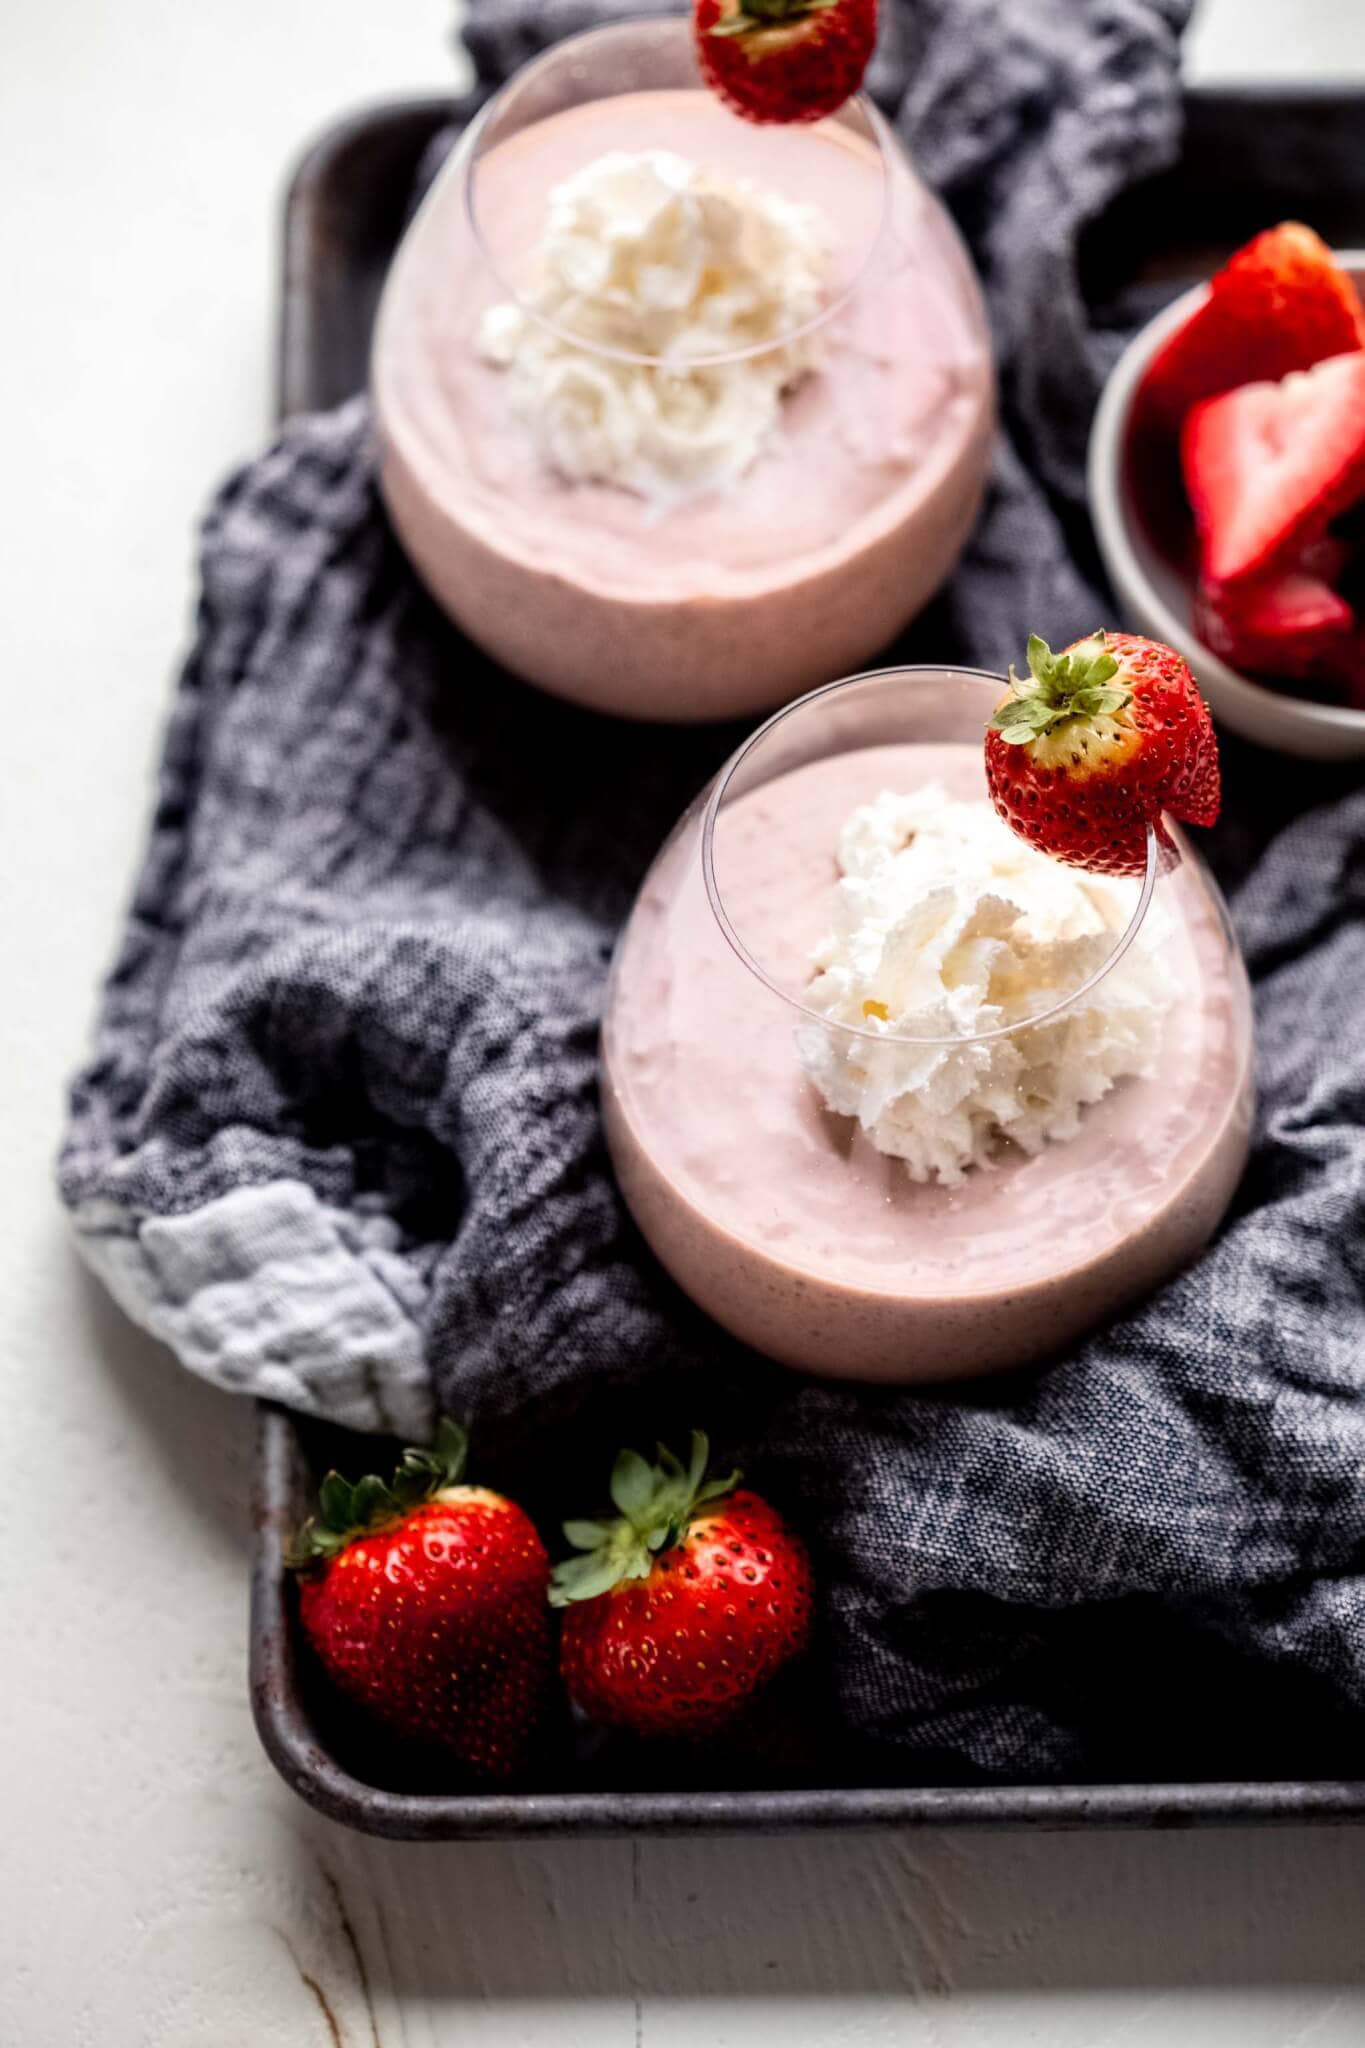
(350, 1508)
(1058, 687)
(654, 1505)
(756, 14)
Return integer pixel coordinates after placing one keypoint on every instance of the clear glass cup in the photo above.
(781, 1217)
(706, 602)
(658, 57)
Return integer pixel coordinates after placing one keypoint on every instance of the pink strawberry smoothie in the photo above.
(786, 1224)
(742, 597)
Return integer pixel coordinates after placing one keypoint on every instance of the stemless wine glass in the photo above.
(727, 598)
(781, 1218)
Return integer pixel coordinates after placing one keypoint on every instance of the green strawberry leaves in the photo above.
(1025, 719)
(1059, 687)
(350, 1508)
(654, 1504)
(587, 1578)
(1096, 702)
(633, 1485)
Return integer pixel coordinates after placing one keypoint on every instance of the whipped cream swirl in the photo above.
(646, 254)
(949, 925)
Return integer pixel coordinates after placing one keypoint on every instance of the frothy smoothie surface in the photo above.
(787, 1223)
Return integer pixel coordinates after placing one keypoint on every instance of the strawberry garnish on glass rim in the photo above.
(684, 1604)
(784, 60)
(1092, 745)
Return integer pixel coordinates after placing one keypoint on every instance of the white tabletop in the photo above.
(159, 1888)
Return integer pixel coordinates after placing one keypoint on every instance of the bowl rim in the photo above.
(1258, 701)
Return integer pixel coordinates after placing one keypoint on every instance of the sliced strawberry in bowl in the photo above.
(1269, 466)
(1292, 624)
(1281, 303)
(1144, 524)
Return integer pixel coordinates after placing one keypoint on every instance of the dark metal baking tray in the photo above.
(1250, 156)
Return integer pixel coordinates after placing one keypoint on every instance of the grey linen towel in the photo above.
(338, 1141)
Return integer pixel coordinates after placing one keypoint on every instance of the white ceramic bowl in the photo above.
(1157, 596)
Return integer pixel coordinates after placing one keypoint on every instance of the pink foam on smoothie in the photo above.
(787, 1224)
(823, 550)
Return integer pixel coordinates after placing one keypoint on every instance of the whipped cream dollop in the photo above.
(949, 925)
(645, 253)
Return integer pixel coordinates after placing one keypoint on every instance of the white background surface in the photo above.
(158, 1887)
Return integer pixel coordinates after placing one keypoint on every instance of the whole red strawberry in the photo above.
(1093, 744)
(680, 1610)
(784, 60)
(425, 1602)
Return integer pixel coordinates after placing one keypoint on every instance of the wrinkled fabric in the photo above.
(338, 1142)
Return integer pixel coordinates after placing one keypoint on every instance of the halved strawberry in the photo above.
(784, 60)
(1269, 465)
(1093, 744)
(1281, 303)
(1328, 559)
(1293, 624)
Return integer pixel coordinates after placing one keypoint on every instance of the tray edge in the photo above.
(305, 1765)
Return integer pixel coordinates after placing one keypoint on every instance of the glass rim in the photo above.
(467, 154)
(715, 896)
